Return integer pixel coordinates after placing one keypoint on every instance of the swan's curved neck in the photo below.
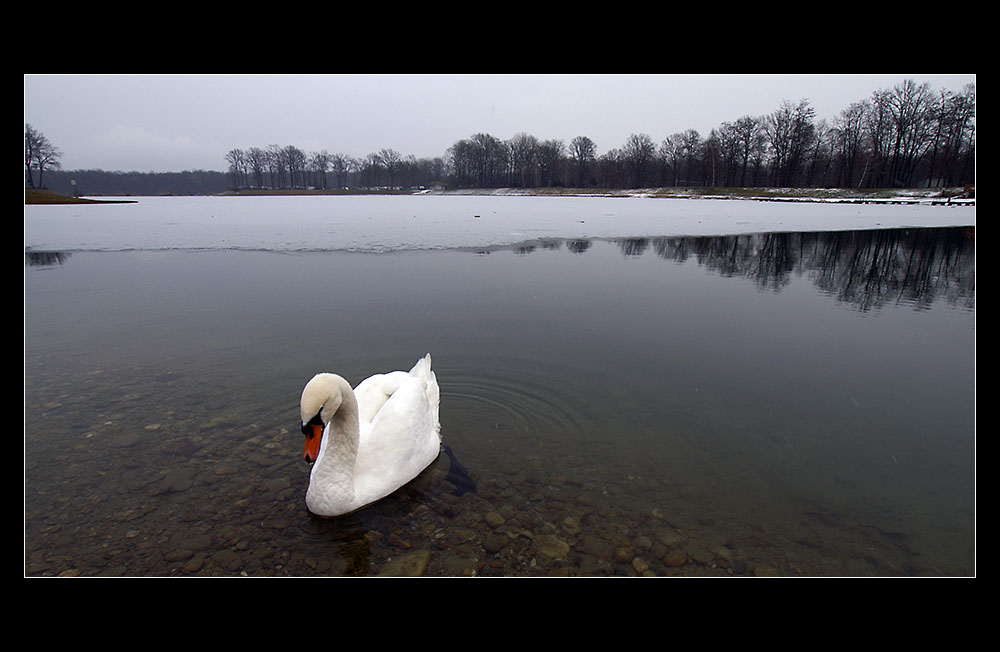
(332, 475)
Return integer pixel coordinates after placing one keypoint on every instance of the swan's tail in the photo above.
(423, 371)
(423, 368)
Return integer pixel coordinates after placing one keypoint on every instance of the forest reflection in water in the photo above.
(865, 268)
(160, 407)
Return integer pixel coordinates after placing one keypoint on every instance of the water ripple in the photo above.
(529, 402)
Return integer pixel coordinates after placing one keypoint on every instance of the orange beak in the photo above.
(311, 450)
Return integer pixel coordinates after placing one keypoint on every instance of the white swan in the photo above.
(368, 442)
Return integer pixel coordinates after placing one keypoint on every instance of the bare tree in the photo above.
(30, 144)
(257, 163)
(790, 132)
(491, 158)
(295, 163)
(954, 137)
(819, 155)
(370, 170)
(238, 168)
(639, 153)
(670, 153)
(612, 169)
(877, 132)
(711, 155)
(460, 163)
(751, 143)
(909, 106)
(39, 154)
(550, 154)
(728, 144)
(343, 167)
(409, 172)
(276, 166)
(847, 132)
(524, 153)
(319, 163)
(690, 144)
(583, 153)
(390, 161)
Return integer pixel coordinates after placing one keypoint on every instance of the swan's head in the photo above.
(321, 398)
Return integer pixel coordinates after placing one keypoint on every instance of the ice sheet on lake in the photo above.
(391, 223)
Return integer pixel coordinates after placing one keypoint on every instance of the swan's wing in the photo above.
(399, 442)
(373, 392)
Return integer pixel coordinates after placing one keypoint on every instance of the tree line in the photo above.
(283, 167)
(905, 136)
(900, 137)
(140, 184)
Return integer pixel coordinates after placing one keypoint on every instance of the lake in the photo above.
(636, 386)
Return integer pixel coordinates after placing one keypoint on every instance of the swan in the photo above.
(367, 442)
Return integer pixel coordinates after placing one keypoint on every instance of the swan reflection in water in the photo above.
(343, 545)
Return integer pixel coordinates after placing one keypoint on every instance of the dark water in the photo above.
(790, 404)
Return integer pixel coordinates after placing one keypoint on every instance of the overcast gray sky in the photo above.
(168, 123)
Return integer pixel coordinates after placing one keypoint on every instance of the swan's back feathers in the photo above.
(374, 391)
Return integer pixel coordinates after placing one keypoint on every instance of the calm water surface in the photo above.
(789, 404)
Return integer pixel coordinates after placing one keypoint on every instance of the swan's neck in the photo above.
(331, 482)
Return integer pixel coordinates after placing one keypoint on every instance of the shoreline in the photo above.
(932, 196)
(35, 196)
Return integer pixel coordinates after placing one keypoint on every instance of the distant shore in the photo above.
(34, 196)
(953, 196)
(257, 192)
(942, 196)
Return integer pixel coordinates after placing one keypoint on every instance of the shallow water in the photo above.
(790, 404)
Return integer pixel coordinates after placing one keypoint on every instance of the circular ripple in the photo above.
(522, 398)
